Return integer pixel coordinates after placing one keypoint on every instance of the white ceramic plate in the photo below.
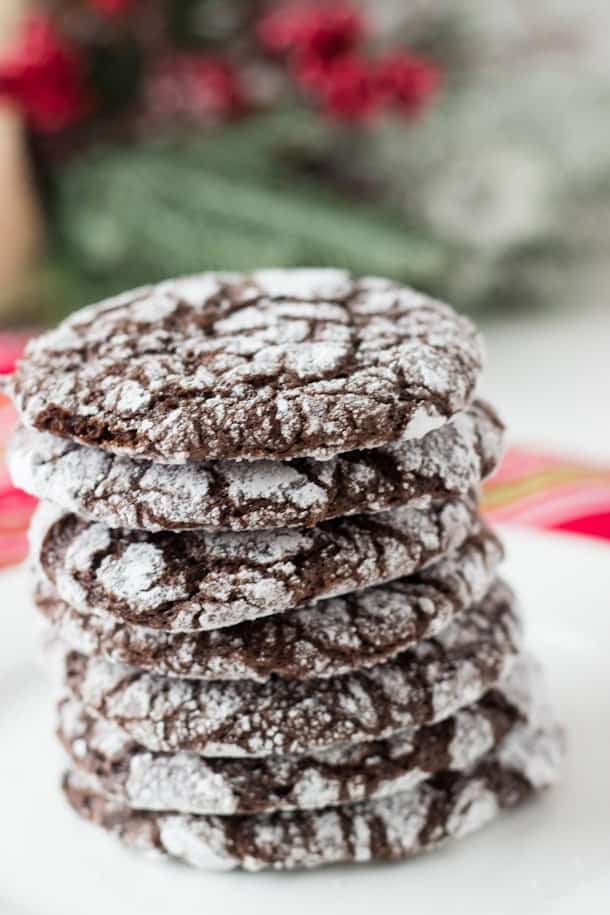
(552, 857)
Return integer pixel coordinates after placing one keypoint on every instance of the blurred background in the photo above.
(458, 147)
(463, 148)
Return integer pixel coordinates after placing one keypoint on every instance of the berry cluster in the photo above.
(207, 88)
(49, 77)
(324, 48)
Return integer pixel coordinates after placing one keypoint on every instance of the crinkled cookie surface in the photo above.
(232, 495)
(276, 364)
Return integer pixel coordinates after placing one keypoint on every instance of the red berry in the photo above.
(346, 89)
(312, 30)
(407, 82)
(44, 76)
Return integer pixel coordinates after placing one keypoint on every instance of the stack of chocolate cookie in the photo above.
(286, 642)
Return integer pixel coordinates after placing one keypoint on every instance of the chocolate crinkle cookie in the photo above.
(230, 495)
(195, 580)
(275, 364)
(332, 637)
(262, 566)
(189, 783)
(422, 685)
(451, 805)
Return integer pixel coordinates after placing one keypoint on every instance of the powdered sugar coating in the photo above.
(275, 364)
(195, 580)
(233, 495)
(332, 637)
(449, 806)
(423, 685)
(189, 783)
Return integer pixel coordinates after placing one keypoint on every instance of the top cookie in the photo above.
(277, 364)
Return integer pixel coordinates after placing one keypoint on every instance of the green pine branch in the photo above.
(129, 215)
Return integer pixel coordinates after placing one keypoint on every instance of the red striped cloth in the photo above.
(16, 507)
(545, 491)
(531, 488)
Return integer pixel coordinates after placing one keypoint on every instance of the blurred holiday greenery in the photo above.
(173, 137)
(235, 199)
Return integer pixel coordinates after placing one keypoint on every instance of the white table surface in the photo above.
(549, 374)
